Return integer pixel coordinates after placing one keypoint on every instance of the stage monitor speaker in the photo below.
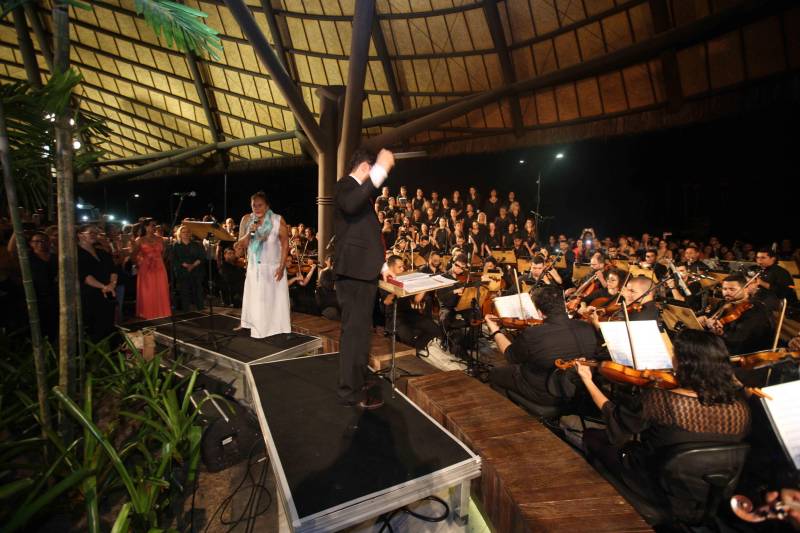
(231, 431)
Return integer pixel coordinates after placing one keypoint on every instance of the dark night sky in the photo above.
(736, 178)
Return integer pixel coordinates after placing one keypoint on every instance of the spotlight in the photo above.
(521, 161)
(79, 206)
(124, 222)
(110, 217)
(560, 155)
(136, 195)
(72, 122)
(76, 145)
(85, 218)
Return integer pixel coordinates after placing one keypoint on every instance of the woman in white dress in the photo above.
(265, 241)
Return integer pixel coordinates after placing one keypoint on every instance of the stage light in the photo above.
(110, 217)
(136, 195)
(560, 155)
(79, 206)
(521, 161)
(124, 222)
(76, 145)
(85, 218)
(72, 122)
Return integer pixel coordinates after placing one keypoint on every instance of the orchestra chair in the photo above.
(694, 482)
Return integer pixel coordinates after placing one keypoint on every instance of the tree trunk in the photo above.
(67, 247)
(27, 275)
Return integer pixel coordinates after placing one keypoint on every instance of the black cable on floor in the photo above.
(386, 518)
(255, 487)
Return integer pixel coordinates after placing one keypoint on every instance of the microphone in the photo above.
(190, 193)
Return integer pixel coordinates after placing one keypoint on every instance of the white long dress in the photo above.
(265, 303)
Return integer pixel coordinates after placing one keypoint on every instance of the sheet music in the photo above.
(420, 281)
(784, 415)
(651, 352)
(509, 307)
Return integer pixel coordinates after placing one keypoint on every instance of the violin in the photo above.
(743, 508)
(733, 312)
(754, 361)
(618, 373)
(519, 323)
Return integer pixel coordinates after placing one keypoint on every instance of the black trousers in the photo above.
(413, 328)
(510, 378)
(356, 299)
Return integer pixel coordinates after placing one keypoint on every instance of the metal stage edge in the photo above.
(353, 512)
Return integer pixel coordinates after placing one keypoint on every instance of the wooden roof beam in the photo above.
(26, 48)
(205, 96)
(669, 59)
(683, 36)
(266, 54)
(499, 38)
(379, 40)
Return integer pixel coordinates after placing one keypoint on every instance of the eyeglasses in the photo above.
(462, 267)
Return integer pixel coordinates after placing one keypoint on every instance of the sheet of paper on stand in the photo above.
(651, 352)
(509, 306)
(418, 281)
(784, 414)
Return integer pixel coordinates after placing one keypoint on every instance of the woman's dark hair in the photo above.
(140, 227)
(621, 274)
(549, 300)
(703, 366)
(260, 194)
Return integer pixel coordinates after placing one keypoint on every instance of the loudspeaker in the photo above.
(231, 432)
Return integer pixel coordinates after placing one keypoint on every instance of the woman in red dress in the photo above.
(152, 287)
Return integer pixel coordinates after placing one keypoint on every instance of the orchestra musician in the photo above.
(434, 263)
(774, 278)
(708, 408)
(412, 328)
(748, 332)
(450, 296)
(694, 300)
(599, 265)
(533, 352)
(691, 256)
(650, 262)
(540, 274)
(637, 291)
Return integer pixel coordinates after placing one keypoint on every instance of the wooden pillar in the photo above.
(329, 106)
(354, 98)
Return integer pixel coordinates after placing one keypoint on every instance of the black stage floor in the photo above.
(215, 333)
(331, 455)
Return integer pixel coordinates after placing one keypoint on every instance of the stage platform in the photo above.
(337, 466)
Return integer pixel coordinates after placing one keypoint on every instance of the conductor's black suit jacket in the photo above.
(359, 250)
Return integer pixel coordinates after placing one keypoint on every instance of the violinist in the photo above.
(434, 264)
(637, 295)
(744, 325)
(608, 295)
(708, 408)
(774, 278)
(521, 251)
(450, 296)
(302, 282)
(424, 247)
(542, 274)
(533, 352)
(412, 327)
(593, 281)
(311, 244)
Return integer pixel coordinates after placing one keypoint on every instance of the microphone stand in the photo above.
(174, 290)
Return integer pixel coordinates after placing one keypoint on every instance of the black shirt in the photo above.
(492, 209)
(417, 203)
(779, 281)
(538, 347)
(751, 332)
(502, 224)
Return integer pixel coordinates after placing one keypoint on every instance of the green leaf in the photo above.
(9, 489)
(26, 512)
(122, 523)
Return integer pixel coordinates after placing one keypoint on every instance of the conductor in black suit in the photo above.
(359, 257)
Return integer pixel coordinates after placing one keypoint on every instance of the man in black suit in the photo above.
(358, 260)
(532, 372)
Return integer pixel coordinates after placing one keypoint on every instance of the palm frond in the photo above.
(181, 25)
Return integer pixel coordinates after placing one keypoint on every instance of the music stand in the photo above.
(214, 233)
(674, 315)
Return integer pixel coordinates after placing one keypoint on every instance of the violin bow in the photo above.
(780, 326)
(630, 335)
(519, 295)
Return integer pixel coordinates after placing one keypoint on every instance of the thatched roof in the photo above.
(426, 52)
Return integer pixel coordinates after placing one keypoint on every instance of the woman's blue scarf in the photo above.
(257, 241)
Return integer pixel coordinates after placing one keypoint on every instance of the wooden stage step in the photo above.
(531, 481)
(380, 348)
